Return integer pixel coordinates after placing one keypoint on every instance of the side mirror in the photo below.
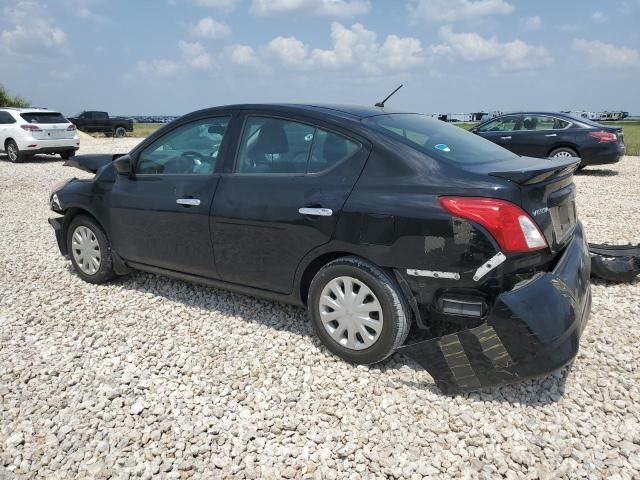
(123, 165)
(474, 130)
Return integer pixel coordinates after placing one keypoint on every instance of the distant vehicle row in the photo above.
(27, 131)
(92, 121)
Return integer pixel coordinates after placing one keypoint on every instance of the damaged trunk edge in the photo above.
(92, 163)
(615, 263)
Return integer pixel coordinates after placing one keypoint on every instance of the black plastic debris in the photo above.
(615, 263)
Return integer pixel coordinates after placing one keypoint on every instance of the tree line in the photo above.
(8, 100)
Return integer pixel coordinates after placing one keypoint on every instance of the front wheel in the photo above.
(90, 250)
(120, 132)
(68, 154)
(358, 311)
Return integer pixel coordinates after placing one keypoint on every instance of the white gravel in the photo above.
(154, 377)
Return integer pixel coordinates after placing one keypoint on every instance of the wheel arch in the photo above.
(313, 267)
(73, 212)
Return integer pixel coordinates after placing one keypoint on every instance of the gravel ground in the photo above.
(153, 377)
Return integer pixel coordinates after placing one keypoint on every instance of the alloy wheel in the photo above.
(12, 152)
(351, 313)
(86, 250)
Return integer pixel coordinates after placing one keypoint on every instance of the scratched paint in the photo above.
(462, 232)
(433, 243)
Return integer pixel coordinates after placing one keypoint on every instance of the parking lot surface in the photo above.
(154, 377)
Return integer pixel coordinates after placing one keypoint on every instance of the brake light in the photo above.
(71, 127)
(512, 227)
(30, 128)
(604, 137)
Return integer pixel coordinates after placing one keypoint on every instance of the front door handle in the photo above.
(316, 212)
(551, 135)
(191, 202)
(505, 138)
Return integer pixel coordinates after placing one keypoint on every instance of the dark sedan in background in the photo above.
(555, 135)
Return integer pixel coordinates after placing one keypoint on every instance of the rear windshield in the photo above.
(439, 139)
(44, 117)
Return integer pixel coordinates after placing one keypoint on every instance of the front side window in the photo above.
(276, 146)
(504, 124)
(100, 115)
(191, 149)
(438, 139)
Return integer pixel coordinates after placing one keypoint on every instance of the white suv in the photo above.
(27, 131)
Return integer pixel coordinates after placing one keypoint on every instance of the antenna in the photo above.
(381, 104)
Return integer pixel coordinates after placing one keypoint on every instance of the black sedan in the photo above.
(555, 135)
(376, 221)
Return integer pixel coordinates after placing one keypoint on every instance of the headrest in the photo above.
(271, 139)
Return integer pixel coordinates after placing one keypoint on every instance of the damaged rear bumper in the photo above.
(532, 330)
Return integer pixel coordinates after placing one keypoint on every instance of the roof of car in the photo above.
(28, 109)
(354, 112)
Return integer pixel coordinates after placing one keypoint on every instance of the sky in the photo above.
(155, 57)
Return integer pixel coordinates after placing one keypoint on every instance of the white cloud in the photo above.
(158, 68)
(222, 4)
(532, 23)
(568, 28)
(602, 54)
(456, 10)
(599, 17)
(210, 28)
(242, 55)
(354, 47)
(471, 47)
(30, 31)
(195, 55)
(329, 8)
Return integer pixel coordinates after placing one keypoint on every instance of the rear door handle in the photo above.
(316, 212)
(505, 138)
(551, 135)
(191, 202)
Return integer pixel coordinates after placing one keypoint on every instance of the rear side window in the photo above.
(438, 139)
(276, 146)
(542, 122)
(6, 118)
(44, 117)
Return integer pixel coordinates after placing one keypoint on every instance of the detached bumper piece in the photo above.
(615, 263)
(57, 224)
(531, 331)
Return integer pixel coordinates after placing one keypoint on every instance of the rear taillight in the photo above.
(604, 137)
(71, 127)
(30, 128)
(512, 227)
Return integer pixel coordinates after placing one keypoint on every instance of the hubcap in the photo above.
(12, 152)
(351, 313)
(86, 250)
(563, 155)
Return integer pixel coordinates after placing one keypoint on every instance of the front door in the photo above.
(501, 130)
(289, 182)
(160, 215)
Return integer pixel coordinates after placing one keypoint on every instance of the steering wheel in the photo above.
(197, 157)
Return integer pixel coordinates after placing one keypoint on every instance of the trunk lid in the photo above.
(51, 125)
(547, 193)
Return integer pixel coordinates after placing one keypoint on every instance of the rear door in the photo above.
(160, 216)
(6, 121)
(540, 134)
(501, 130)
(281, 198)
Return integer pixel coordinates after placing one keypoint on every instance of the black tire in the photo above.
(562, 151)
(68, 154)
(105, 271)
(120, 132)
(13, 152)
(396, 320)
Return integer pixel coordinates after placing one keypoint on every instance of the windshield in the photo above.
(438, 139)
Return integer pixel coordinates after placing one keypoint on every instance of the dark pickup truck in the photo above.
(94, 121)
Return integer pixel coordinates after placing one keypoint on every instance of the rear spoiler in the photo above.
(528, 170)
(92, 163)
(615, 263)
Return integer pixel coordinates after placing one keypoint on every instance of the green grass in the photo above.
(631, 131)
(145, 129)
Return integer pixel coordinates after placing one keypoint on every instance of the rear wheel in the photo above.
(120, 132)
(563, 152)
(13, 152)
(68, 154)
(90, 250)
(358, 311)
